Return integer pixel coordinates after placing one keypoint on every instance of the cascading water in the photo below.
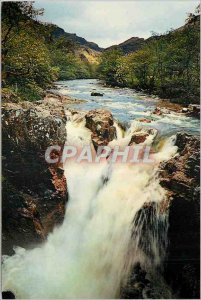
(90, 255)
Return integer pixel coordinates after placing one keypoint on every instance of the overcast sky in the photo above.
(111, 22)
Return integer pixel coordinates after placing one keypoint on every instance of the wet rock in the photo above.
(8, 295)
(157, 111)
(194, 110)
(181, 173)
(147, 293)
(166, 105)
(21, 220)
(141, 134)
(137, 286)
(138, 138)
(180, 176)
(144, 120)
(101, 123)
(55, 97)
(96, 94)
(34, 192)
(184, 110)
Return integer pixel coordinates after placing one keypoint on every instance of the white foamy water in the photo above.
(91, 253)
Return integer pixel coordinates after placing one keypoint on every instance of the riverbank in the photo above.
(35, 194)
(171, 104)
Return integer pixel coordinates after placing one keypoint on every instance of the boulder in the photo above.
(144, 120)
(34, 192)
(194, 110)
(180, 176)
(157, 111)
(96, 94)
(101, 123)
(8, 295)
(138, 138)
(184, 110)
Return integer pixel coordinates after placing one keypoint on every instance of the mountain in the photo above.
(135, 43)
(131, 45)
(59, 32)
(88, 55)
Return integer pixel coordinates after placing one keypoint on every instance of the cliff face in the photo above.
(181, 267)
(34, 192)
(180, 176)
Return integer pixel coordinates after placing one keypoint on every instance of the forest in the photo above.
(167, 65)
(33, 58)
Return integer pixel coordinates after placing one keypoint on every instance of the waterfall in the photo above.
(102, 236)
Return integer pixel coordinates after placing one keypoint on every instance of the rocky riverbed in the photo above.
(35, 193)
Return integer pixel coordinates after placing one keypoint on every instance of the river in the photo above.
(126, 105)
(91, 254)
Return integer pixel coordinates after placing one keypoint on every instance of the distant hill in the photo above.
(90, 52)
(131, 45)
(88, 55)
(135, 43)
(59, 32)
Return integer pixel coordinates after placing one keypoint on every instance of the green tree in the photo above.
(109, 65)
(167, 65)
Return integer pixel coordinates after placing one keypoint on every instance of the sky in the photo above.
(110, 22)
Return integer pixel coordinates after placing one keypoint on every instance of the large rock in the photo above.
(181, 173)
(101, 123)
(157, 111)
(8, 295)
(194, 110)
(96, 94)
(138, 138)
(137, 285)
(34, 192)
(180, 176)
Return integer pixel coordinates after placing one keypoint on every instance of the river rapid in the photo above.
(127, 105)
(91, 254)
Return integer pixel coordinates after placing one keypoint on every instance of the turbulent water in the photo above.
(127, 105)
(90, 255)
